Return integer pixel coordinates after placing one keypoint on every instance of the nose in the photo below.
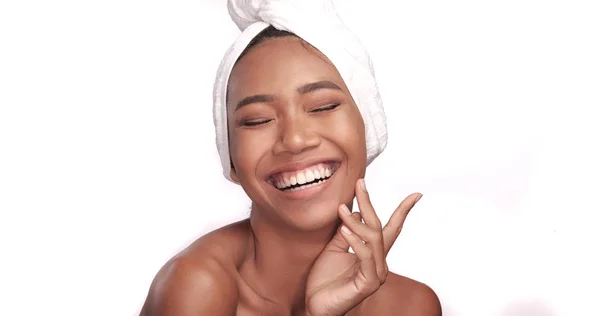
(295, 136)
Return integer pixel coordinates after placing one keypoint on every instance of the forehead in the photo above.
(278, 66)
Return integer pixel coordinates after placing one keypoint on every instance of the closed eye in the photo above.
(326, 108)
(255, 123)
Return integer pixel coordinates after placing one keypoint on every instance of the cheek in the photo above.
(246, 150)
(349, 133)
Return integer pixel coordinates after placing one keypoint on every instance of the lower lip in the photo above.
(306, 193)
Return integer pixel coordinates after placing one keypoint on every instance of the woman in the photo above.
(298, 143)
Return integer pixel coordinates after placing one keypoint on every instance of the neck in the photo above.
(282, 256)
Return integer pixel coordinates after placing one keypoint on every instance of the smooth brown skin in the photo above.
(291, 255)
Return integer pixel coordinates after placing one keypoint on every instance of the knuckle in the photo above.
(365, 289)
(374, 285)
(369, 286)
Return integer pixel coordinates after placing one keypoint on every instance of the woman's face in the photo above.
(296, 137)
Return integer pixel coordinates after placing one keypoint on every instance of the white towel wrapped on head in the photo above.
(316, 22)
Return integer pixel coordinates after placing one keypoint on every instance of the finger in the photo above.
(338, 243)
(392, 229)
(359, 228)
(365, 206)
(373, 239)
(357, 216)
(372, 220)
(366, 280)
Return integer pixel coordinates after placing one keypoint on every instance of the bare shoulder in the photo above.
(400, 295)
(200, 279)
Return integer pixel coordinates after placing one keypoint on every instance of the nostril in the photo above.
(295, 137)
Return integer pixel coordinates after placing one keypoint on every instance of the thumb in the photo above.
(338, 243)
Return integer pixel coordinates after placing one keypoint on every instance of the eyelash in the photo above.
(321, 109)
(255, 123)
(326, 108)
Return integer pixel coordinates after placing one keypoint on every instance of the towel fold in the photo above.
(316, 22)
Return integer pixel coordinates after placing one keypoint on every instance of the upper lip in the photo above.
(300, 165)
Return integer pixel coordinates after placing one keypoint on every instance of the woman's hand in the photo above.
(340, 280)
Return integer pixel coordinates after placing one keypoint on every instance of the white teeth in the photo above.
(310, 176)
(301, 178)
(317, 174)
(304, 186)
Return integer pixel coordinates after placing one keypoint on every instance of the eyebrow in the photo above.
(310, 87)
(307, 88)
(259, 98)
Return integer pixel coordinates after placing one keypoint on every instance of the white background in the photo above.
(108, 165)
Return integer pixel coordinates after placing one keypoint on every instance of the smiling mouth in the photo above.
(305, 178)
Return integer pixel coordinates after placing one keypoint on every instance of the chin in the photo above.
(314, 215)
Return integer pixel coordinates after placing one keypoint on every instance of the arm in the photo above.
(184, 288)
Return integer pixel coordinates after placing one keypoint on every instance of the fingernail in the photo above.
(363, 185)
(420, 196)
(345, 209)
(346, 231)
